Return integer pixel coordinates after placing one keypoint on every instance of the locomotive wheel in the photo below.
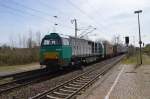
(52, 68)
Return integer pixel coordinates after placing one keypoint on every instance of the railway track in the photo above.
(73, 87)
(22, 80)
(27, 78)
(25, 73)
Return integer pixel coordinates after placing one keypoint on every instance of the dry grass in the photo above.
(18, 56)
(6, 80)
(135, 59)
(18, 67)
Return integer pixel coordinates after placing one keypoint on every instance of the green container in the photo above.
(102, 51)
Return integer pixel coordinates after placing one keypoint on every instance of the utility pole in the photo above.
(75, 23)
(140, 42)
(76, 29)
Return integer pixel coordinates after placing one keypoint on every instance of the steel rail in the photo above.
(14, 83)
(56, 90)
(19, 73)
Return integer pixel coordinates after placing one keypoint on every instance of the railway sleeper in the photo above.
(85, 80)
(78, 83)
(62, 94)
(53, 97)
(85, 77)
(56, 94)
(73, 88)
(88, 78)
(82, 81)
(66, 91)
(69, 89)
(75, 85)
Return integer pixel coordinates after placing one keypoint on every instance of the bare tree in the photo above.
(24, 40)
(100, 40)
(34, 44)
(12, 42)
(38, 38)
(20, 40)
(29, 41)
(114, 40)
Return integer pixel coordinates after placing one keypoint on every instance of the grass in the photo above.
(18, 56)
(6, 80)
(135, 59)
(15, 67)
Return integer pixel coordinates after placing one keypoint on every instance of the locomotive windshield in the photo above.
(51, 42)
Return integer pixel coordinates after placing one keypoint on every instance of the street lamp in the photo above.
(140, 42)
(55, 24)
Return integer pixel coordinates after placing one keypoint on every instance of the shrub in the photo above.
(18, 56)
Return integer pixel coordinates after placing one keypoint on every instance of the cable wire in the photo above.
(83, 12)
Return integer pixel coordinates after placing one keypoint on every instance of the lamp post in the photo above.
(140, 42)
(55, 24)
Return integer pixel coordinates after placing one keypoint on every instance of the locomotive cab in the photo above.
(55, 50)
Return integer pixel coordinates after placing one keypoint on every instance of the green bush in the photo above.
(147, 49)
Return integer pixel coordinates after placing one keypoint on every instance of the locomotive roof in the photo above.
(59, 35)
(55, 35)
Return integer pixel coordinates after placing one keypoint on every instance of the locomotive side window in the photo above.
(65, 41)
(51, 42)
(46, 42)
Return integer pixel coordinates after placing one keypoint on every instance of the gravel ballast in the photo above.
(31, 90)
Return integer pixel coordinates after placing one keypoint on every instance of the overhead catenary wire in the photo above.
(97, 14)
(9, 11)
(58, 10)
(87, 33)
(20, 11)
(84, 30)
(29, 8)
(37, 10)
(43, 12)
(83, 12)
(28, 13)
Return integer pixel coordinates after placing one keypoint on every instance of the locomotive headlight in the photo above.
(51, 55)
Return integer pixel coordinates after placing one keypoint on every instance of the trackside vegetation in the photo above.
(147, 49)
(135, 59)
(17, 56)
(133, 56)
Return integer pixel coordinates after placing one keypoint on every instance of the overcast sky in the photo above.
(110, 17)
